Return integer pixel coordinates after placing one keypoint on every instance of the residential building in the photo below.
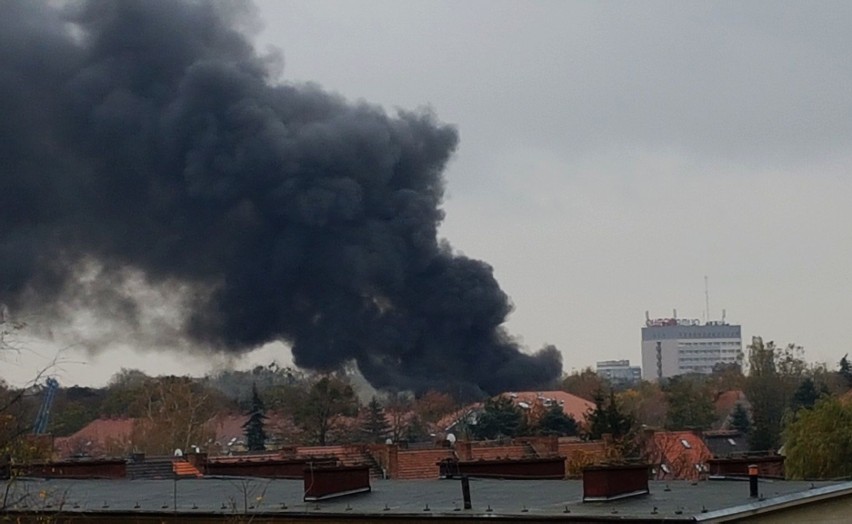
(619, 371)
(680, 455)
(572, 405)
(675, 346)
(724, 443)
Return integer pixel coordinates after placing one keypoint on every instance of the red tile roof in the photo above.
(228, 428)
(681, 455)
(445, 423)
(726, 400)
(100, 437)
(572, 405)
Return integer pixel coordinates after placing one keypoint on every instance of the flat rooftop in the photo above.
(514, 499)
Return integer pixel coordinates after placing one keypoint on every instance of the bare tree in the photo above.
(174, 415)
(328, 399)
(17, 418)
(400, 410)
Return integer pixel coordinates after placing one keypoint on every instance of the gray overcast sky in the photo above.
(612, 154)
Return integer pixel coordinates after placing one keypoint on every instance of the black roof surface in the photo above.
(726, 445)
(678, 500)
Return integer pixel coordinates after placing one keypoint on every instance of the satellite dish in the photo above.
(451, 438)
(389, 441)
(178, 452)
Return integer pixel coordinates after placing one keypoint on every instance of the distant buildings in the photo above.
(619, 371)
(674, 346)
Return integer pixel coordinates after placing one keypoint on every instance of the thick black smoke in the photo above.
(147, 135)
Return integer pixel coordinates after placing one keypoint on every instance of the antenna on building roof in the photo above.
(706, 301)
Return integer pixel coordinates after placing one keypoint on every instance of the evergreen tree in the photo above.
(740, 420)
(375, 427)
(500, 417)
(608, 419)
(556, 422)
(254, 426)
(805, 396)
(597, 419)
(845, 371)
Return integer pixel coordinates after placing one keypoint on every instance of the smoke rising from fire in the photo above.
(148, 137)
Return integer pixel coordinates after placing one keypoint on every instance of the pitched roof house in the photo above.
(676, 455)
(101, 437)
(576, 407)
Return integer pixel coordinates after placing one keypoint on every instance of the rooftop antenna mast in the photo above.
(706, 301)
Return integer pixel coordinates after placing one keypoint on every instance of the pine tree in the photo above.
(740, 420)
(845, 371)
(607, 418)
(254, 426)
(805, 396)
(556, 422)
(375, 426)
(499, 418)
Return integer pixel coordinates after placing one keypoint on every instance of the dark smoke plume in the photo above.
(148, 136)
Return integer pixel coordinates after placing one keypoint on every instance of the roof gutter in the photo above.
(777, 503)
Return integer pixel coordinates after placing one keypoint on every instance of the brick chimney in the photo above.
(614, 481)
(323, 483)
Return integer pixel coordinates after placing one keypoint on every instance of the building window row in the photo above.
(707, 358)
(708, 335)
(707, 351)
(711, 343)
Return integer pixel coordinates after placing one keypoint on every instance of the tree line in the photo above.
(780, 402)
(284, 406)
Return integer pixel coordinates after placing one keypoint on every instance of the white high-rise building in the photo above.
(674, 346)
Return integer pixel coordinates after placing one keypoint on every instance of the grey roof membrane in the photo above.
(519, 498)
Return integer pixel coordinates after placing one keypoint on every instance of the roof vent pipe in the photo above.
(465, 484)
(752, 480)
